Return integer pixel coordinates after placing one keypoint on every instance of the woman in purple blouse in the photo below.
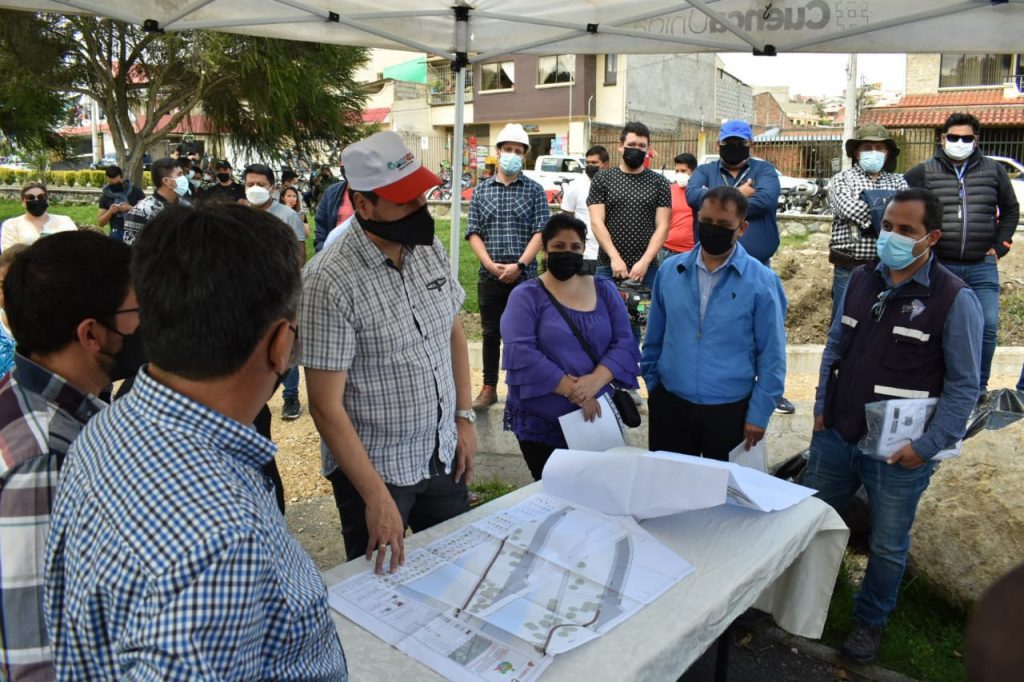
(547, 371)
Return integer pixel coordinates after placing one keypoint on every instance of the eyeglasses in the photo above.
(950, 137)
(878, 309)
(34, 197)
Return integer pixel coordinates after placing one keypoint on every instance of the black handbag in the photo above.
(621, 398)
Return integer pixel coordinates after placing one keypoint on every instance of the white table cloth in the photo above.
(784, 563)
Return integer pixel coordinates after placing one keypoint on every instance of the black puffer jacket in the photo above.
(970, 225)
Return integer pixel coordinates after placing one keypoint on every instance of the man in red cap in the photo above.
(387, 367)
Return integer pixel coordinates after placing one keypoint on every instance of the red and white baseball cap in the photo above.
(382, 164)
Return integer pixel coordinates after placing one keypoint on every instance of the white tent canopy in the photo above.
(470, 33)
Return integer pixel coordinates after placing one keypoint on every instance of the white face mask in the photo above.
(256, 195)
(682, 179)
(958, 151)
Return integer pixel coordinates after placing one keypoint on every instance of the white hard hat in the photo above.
(513, 132)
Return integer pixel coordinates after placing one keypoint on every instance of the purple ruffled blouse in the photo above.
(539, 349)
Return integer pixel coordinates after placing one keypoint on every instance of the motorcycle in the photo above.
(808, 198)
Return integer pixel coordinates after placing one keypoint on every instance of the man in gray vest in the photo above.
(980, 214)
(906, 328)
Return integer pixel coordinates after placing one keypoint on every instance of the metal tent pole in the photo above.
(459, 65)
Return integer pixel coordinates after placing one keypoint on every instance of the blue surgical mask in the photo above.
(510, 163)
(181, 185)
(897, 251)
(872, 161)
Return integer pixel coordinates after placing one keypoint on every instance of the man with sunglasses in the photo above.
(73, 313)
(906, 328)
(979, 216)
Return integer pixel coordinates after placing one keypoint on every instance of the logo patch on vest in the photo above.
(914, 308)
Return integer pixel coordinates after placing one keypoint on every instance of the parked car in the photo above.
(109, 159)
(1015, 169)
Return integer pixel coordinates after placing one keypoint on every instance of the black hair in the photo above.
(637, 128)
(961, 119)
(372, 197)
(61, 280)
(298, 197)
(202, 313)
(563, 221)
(113, 171)
(259, 169)
(931, 201)
(223, 163)
(599, 151)
(163, 168)
(288, 174)
(185, 163)
(686, 159)
(726, 195)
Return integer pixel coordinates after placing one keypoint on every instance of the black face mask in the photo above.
(131, 356)
(415, 228)
(564, 264)
(734, 153)
(36, 207)
(118, 187)
(591, 171)
(223, 177)
(714, 239)
(633, 157)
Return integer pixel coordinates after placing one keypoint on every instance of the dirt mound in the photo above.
(807, 278)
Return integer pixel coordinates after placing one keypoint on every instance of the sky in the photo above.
(816, 74)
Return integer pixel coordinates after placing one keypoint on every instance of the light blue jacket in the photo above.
(740, 348)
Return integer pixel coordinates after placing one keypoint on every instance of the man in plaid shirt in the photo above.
(506, 216)
(853, 237)
(71, 306)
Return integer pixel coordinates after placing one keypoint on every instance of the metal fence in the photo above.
(665, 148)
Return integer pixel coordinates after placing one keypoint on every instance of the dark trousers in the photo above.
(536, 456)
(262, 426)
(493, 297)
(677, 425)
(421, 505)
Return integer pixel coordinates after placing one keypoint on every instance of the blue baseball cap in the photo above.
(736, 128)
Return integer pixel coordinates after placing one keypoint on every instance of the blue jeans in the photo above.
(837, 469)
(291, 383)
(840, 280)
(652, 270)
(983, 278)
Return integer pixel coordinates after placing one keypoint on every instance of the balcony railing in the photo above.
(441, 84)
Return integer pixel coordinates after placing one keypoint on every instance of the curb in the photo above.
(826, 653)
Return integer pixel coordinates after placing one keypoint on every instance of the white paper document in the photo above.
(498, 599)
(894, 423)
(638, 483)
(601, 434)
(755, 458)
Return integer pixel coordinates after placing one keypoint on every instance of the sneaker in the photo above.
(861, 646)
(784, 407)
(291, 410)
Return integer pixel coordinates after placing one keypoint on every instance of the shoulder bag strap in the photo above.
(565, 316)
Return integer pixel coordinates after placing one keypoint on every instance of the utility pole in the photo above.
(850, 120)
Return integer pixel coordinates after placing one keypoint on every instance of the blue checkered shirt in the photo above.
(506, 217)
(168, 559)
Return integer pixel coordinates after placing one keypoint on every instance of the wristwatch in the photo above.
(521, 266)
(468, 415)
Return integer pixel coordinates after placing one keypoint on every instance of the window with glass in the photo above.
(556, 69)
(611, 69)
(497, 76)
(958, 70)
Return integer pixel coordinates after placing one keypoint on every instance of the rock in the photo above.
(796, 229)
(813, 227)
(969, 529)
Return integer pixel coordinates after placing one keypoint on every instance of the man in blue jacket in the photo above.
(333, 209)
(714, 358)
(758, 181)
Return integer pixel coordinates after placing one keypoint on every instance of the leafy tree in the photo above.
(269, 95)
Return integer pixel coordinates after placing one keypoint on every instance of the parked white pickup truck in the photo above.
(551, 167)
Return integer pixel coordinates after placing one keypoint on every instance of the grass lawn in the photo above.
(924, 636)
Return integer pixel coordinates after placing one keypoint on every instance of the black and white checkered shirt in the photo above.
(506, 217)
(391, 331)
(850, 214)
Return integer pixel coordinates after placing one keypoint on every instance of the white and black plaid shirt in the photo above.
(391, 331)
(850, 214)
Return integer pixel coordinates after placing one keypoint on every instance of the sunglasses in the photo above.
(34, 197)
(950, 137)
